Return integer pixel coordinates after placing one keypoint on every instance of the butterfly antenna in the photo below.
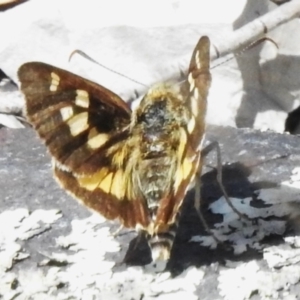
(248, 47)
(105, 67)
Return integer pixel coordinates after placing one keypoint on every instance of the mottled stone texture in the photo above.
(68, 254)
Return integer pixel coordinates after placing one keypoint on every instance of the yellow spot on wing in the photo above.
(66, 112)
(194, 103)
(98, 140)
(182, 143)
(191, 82)
(186, 168)
(54, 82)
(191, 125)
(196, 94)
(82, 98)
(178, 179)
(183, 172)
(182, 146)
(117, 187)
(55, 76)
(78, 123)
(92, 182)
(106, 183)
(129, 189)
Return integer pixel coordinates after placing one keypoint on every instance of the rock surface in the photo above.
(53, 248)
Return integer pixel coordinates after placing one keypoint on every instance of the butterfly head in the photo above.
(158, 107)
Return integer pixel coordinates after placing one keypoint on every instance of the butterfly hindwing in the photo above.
(107, 193)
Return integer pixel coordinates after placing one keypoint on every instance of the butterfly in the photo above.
(134, 166)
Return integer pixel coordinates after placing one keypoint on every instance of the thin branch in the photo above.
(256, 29)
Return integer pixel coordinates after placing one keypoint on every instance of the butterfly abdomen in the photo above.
(161, 243)
(157, 150)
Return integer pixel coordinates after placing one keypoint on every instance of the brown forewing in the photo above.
(106, 114)
(198, 84)
(48, 90)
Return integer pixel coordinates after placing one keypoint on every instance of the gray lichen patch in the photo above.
(243, 233)
(244, 280)
(17, 226)
(80, 269)
(278, 206)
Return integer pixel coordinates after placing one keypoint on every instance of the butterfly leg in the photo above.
(215, 145)
(198, 210)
